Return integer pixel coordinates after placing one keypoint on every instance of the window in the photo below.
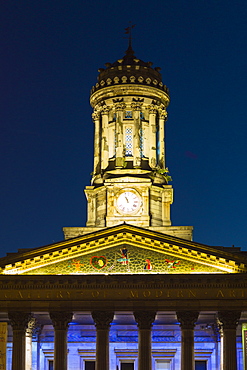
(128, 141)
(50, 364)
(89, 365)
(200, 365)
(142, 115)
(128, 114)
(162, 365)
(127, 366)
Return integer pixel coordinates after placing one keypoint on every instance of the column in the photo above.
(144, 321)
(162, 119)
(229, 322)
(152, 136)
(19, 322)
(29, 336)
(96, 165)
(120, 106)
(136, 134)
(102, 320)
(36, 345)
(105, 138)
(60, 321)
(187, 320)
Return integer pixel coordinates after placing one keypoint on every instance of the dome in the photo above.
(129, 70)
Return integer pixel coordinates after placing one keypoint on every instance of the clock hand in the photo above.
(127, 200)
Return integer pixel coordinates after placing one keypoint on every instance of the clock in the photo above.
(128, 202)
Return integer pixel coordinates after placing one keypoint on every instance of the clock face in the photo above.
(128, 202)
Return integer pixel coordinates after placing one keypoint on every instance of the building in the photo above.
(129, 290)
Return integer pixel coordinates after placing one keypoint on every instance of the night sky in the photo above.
(50, 55)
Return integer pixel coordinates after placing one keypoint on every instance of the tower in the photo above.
(130, 179)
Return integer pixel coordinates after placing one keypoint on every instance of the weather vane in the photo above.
(128, 31)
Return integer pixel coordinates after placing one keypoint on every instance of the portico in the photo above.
(90, 306)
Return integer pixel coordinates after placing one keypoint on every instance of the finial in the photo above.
(128, 31)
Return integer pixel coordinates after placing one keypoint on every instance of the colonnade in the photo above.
(145, 318)
(106, 145)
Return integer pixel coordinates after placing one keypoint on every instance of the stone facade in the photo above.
(129, 291)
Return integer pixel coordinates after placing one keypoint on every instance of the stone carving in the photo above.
(136, 106)
(119, 106)
(96, 115)
(144, 319)
(19, 320)
(60, 319)
(152, 108)
(102, 319)
(31, 326)
(229, 319)
(105, 109)
(187, 319)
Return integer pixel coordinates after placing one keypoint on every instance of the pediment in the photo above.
(123, 249)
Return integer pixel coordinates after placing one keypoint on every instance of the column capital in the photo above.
(60, 319)
(163, 114)
(96, 115)
(187, 319)
(229, 319)
(19, 320)
(152, 108)
(144, 319)
(136, 106)
(119, 106)
(31, 326)
(102, 319)
(105, 109)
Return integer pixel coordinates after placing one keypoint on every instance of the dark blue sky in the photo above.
(50, 54)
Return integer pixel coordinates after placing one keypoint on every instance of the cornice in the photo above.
(114, 236)
(165, 281)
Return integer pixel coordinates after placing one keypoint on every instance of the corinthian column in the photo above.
(96, 165)
(102, 321)
(119, 107)
(136, 134)
(29, 337)
(162, 119)
(105, 138)
(60, 321)
(229, 322)
(187, 321)
(19, 322)
(144, 321)
(152, 136)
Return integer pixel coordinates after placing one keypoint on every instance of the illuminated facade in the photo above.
(129, 290)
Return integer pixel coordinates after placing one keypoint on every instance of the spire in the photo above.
(128, 31)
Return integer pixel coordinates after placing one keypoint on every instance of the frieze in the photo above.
(122, 294)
